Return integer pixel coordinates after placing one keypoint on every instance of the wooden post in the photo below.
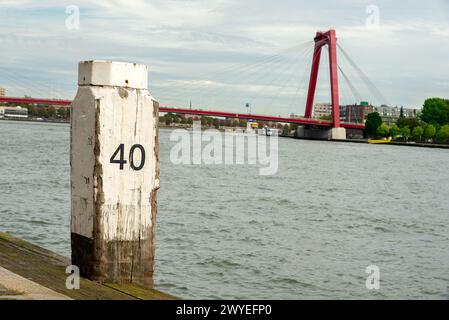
(114, 173)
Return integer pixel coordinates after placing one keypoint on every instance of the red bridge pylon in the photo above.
(328, 38)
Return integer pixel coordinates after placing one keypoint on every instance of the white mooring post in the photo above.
(114, 173)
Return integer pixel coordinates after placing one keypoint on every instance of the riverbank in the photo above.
(365, 141)
(35, 120)
(24, 262)
(186, 126)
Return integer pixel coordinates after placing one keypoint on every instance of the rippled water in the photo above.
(225, 232)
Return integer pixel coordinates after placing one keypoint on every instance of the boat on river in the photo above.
(386, 140)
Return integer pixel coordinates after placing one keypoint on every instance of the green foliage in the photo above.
(443, 133)
(51, 112)
(436, 111)
(327, 118)
(383, 130)
(373, 122)
(216, 123)
(242, 123)
(63, 113)
(429, 132)
(395, 130)
(31, 110)
(408, 122)
(417, 132)
(42, 112)
(405, 132)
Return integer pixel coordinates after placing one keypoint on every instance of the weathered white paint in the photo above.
(82, 162)
(108, 115)
(118, 74)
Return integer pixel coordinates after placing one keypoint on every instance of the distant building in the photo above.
(192, 116)
(391, 114)
(2, 92)
(355, 113)
(321, 110)
(13, 112)
(358, 113)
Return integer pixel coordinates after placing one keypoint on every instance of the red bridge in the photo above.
(322, 39)
(303, 121)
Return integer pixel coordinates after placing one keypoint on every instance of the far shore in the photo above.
(186, 126)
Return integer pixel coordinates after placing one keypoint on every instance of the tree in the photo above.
(405, 132)
(168, 121)
(327, 117)
(395, 130)
(401, 113)
(418, 133)
(31, 110)
(429, 132)
(294, 127)
(436, 111)
(408, 122)
(443, 133)
(216, 123)
(42, 112)
(62, 113)
(52, 112)
(383, 130)
(373, 122)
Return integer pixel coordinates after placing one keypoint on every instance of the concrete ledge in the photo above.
(47, 269)
(26, 289)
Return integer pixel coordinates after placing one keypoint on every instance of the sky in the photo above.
(223, 54)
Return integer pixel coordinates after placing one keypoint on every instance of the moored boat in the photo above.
(386, 140)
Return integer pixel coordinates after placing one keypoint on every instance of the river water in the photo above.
(310, 231)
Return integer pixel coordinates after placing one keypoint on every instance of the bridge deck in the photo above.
(301, 121)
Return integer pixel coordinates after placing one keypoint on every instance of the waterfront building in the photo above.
(391, 114)
(2, 92)
(192, 116)
(321, 110)
(13, 112)
(356, 113)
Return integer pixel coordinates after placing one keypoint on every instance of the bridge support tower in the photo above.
(322, 39)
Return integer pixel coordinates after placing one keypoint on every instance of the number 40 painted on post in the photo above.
(122, 161)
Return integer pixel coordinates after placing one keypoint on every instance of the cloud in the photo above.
(188, 41)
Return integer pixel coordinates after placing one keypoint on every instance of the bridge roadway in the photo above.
(301, 121)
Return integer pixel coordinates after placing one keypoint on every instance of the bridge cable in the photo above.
(371, 86)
